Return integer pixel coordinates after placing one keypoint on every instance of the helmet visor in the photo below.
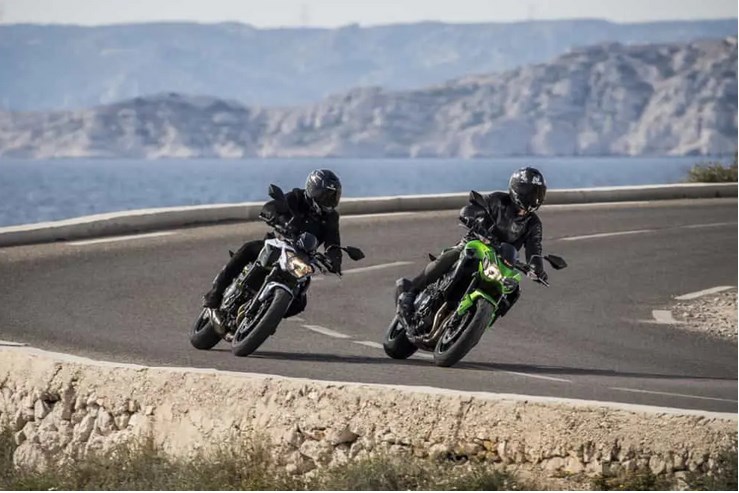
(530, 196)
(327, 198)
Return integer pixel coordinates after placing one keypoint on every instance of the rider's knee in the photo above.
(297, 306)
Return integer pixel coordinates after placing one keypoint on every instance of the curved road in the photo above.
(590, 336)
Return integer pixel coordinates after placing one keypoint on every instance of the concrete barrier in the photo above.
(139, 221)
(61, 406)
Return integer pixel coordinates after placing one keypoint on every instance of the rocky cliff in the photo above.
(606, 99)
(46, 67)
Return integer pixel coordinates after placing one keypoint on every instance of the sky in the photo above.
(331, 13)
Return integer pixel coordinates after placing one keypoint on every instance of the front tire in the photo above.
(456, 341)
(396, 343)
(202, 334)
(246, 342)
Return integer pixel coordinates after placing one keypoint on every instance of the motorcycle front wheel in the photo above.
(462, 334)
(253, 331)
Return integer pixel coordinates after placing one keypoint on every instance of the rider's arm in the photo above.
(533, 244)
(279, 211)
(333, 237)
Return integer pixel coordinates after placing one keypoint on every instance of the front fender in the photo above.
(271, 286)
(471, 298)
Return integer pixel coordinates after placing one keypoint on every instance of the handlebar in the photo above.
(317, 259)
(526, 269)
(323, 263)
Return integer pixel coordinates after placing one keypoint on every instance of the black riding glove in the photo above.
(334, 256)
(538, 267)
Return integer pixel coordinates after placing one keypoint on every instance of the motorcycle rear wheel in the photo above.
(396, 343)
(202, 334)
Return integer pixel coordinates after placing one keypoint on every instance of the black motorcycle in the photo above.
(247, 317)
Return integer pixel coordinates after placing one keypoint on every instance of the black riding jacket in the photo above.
(324, 226)
(507, 226)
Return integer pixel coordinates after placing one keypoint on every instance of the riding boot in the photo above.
(213, 298)
(405, 295)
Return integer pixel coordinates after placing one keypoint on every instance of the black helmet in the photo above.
(527, 189)
(323, 188)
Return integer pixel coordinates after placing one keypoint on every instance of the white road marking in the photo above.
(377, 215)
(595, 205)
(296, 319)
(664, 317)
(424, 355)
(605, 235)
(709, 225)
(326, 332)
(376, 267)
(371, 344)
(542, 377)
(703, 292)
(639, 231)
(121, 238)
(640, 391)
(521, 374)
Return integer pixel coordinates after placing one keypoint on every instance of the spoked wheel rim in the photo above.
(249, 323)
(451, 335)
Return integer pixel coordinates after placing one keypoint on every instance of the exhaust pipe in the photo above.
(215, 317)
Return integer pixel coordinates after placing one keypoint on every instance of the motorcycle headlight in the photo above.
(491, 270)
(297, 267)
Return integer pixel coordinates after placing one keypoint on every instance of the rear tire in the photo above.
(396, 343)
(202, 334)
(265, 326)
(449, 353)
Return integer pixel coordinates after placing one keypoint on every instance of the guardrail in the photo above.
(143, 220)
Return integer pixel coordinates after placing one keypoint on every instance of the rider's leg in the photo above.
(432, 272)
(461, 277)
(508, 301)
(248, 252)
(299, 302)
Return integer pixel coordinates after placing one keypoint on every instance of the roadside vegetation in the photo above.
(248, 466)
(713, 172)
(724, 479)
(245, 466)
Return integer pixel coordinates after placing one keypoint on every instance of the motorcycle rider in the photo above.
(514, 221)
(312, 209)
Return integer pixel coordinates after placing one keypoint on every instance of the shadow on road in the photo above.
(335, 358)
(476, 365)
(566, 370)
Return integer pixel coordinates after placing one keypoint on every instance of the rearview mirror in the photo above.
(557, 262)
(276, 192)
(354, 253)
(478, 200)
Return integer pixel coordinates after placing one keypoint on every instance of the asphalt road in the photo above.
(590, 336)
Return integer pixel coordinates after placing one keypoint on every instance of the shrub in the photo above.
(713, 172)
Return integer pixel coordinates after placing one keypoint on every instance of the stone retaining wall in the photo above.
(64, 406)
(140, 221)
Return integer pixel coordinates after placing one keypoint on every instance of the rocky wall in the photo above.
(61, 407)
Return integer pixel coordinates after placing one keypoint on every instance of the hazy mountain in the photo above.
(605, 99)
(55, 67)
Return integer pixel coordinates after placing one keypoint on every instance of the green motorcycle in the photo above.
(450, 321)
